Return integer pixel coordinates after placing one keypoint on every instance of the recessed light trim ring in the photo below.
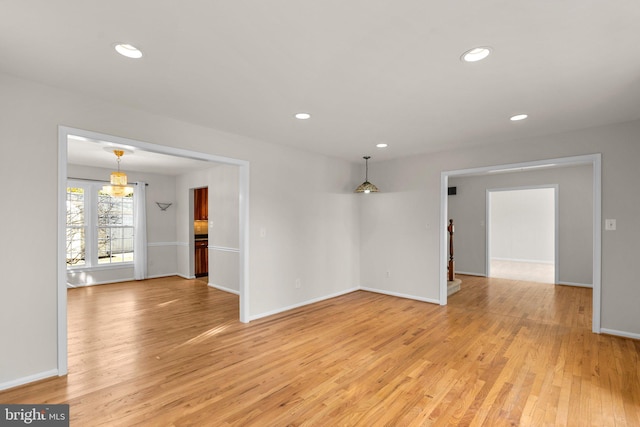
(128, 50)
(476, 54)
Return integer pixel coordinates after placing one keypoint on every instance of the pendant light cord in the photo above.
(118, 154)
(366, 168)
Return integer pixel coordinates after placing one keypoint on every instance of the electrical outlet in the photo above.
(298, 284)
(388, 273)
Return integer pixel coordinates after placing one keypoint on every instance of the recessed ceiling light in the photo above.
(476, 54)
(382, 145)
(518, 117)
(303, 116)
(128, 50)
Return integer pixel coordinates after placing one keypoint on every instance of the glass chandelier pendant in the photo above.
(366, 187)
(118, 187)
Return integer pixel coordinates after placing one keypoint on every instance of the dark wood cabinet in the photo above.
(201, 258)
(201, 204)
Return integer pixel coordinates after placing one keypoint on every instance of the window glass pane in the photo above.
(109, 210)
(116, 240)
(104, 245)
(75, 227)
(75, 206)
(75, 246)
(115, 244)
(115, 228)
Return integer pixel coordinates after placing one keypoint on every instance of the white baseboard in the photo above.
(337, 294)
(28, 379)
(620, 333)
(108, 282)
(466, 273)
(399, 295)
(185, 276)
(581, 285)
(311, 301)
(532, 261)
(222, 288)
(158, 276)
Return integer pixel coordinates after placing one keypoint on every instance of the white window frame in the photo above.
(91, 190)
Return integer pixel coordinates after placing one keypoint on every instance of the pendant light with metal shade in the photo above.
(366, 186)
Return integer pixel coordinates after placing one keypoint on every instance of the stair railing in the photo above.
(450, 229)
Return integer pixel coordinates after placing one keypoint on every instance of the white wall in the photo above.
(161, 229)
(400, 230)
(222, 182)
(522, 225)
(303, 200)
(184, 217)
(224, 232)
(309, 216)
(575, 206)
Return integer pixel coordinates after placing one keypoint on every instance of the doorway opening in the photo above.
(201, 233)
(522, 237)
(594, 160)
(242, 218)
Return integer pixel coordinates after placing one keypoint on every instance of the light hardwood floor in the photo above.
(172, 352)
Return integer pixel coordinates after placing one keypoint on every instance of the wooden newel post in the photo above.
(450, 229)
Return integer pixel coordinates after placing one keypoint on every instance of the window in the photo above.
(115, 229)
(99, 227)
(75, 226)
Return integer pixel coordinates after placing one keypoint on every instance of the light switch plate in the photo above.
(610, 224)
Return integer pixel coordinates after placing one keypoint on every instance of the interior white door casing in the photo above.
(243, 189)
(595, 160)
(575, 223)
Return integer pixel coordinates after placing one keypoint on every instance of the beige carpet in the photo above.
(529, 271)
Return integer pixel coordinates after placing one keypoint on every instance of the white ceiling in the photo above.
(83, 151)
(368, 71)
